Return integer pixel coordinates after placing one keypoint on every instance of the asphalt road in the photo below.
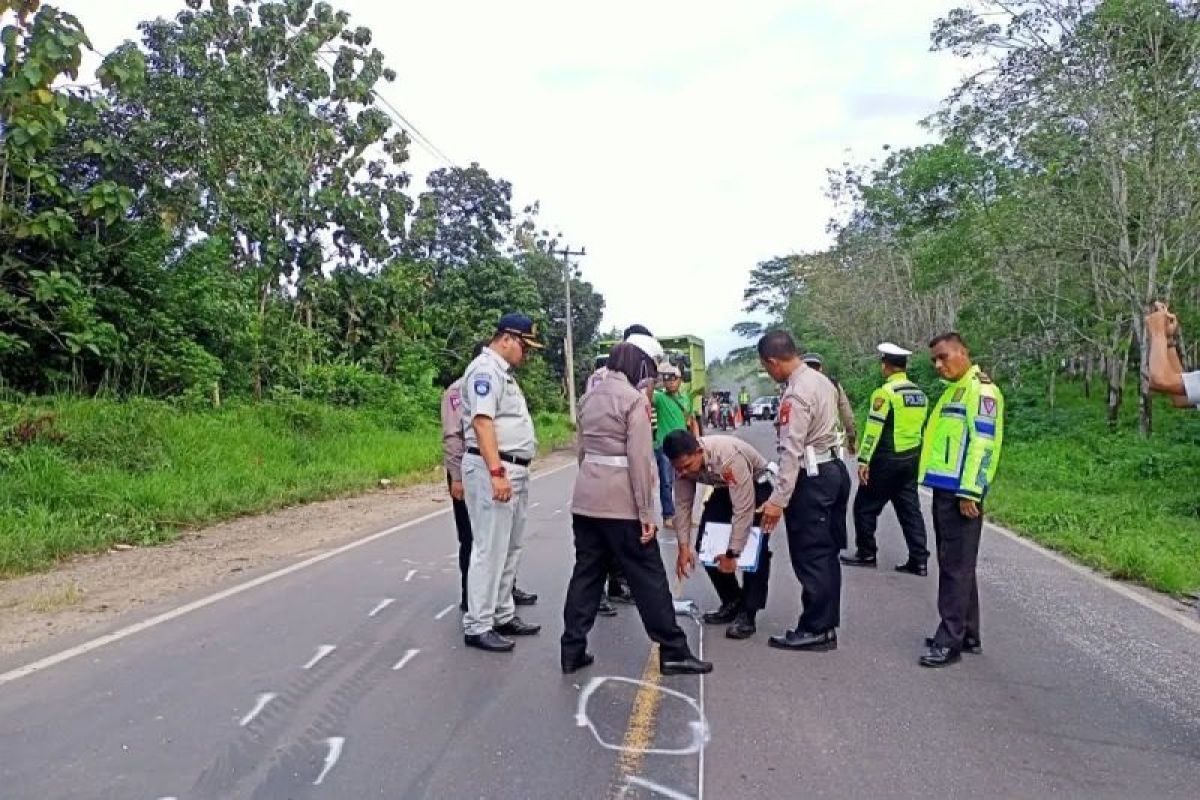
(346, 677)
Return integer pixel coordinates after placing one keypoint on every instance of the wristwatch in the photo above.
(498, 472)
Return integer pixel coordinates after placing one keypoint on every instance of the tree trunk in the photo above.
(1088, 366)
(1051, 385)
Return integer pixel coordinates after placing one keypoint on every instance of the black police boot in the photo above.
(970, 645)
(570, 665)
(685, 666)
(805, 640)
(606, 609)
(938, 656)
(724, 615)
(517, 627)
(490, 641)
(859, 559)
(743, 627)
(523, 598)
(913, 567)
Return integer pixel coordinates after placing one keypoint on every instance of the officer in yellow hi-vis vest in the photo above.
(887, 464)
(959, 456)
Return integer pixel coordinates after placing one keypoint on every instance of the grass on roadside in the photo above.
(80, 475)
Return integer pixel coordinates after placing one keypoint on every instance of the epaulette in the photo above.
(984, 377)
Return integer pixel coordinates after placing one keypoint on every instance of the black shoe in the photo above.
(805, 640)
(742, 628)
(490, 641)
(586, 660)
(687, 666)
(724, 615)
(937, 656)
(522, 598)
(462, 606)
(517, 627)
(970, 645)
(859, 560)
(606, 609)
(913, 567)
(620, 594)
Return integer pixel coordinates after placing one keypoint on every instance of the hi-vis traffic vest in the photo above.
(963, 438)
(895, 419)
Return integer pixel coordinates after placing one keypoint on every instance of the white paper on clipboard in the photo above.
(716, 542)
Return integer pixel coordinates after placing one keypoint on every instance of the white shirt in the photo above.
(1191, 385)
(490, 390)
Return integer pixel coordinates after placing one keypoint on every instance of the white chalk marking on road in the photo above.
(407, 657)
(384, 603)
(1128, 593)
(534, 505)
(322, 651)
(445, 611)
(232, 591)
(657, 788)
(409, 561)
(699, 726)
(335, 752)
(409, 576)
(558, 511)
(259, 705)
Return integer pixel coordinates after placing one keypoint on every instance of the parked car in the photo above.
(764, 408)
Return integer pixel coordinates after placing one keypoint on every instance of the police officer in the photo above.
(501, 444)
(959, 457)
(887, 464)
(813, 489)
(615, 515)
(741, 480)
(844, 408)
(453, 446)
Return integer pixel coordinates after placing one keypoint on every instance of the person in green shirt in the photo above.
(887, 464)
(959, 456)
(674, 413)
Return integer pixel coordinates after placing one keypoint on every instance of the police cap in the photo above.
(521, 326)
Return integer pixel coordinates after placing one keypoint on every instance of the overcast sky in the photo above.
(680, 142)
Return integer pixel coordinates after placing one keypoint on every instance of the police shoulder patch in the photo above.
(958, 395)
(482, 385)
(455, 398)
(878, 404)
(785, 412)
(987, 406)
(728, 477)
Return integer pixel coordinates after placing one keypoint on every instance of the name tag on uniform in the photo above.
(914, 400)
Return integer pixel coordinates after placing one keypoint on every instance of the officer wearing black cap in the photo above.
(501, 444)
(888, 463)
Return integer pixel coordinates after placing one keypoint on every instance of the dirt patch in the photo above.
(91, 591)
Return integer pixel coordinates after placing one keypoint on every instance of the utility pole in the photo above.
(569, 344)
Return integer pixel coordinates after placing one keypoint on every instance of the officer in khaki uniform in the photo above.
(844, 407)
(887, 464)
(454, 445)
(812, 490)
(742, 483)
(959, 456)
(501, 443)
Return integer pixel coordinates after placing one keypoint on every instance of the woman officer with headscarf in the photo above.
(614, 513)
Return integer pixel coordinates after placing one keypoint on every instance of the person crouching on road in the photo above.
(614, 515)
(501, 443)
(739, 473)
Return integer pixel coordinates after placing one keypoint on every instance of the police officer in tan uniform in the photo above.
(741, 480)
(454, 444)
(501, 443)
(615, 516)
(811, 493)
(844, 407)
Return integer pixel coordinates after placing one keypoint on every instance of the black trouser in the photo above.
(892, 480)
(596, 542)
(816, 530)
(957, 550)
(751, 595)
(462, 522)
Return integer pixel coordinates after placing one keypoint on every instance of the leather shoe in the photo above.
(724, 615)
(620, 593)
(606, 608)
(742, 628)
(687, 666)
(859, 560)
(523, 598)
(970, 645)
(490, 641)
(805, 640)
(937, 656)
(517, 627)
(574, 665)
(913, 567)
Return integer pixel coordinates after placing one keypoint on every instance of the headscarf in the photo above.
(632, 362)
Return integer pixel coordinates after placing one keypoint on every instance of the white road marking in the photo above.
(322, 651)
(445, 611)
(407, 657)
(335, 752)
(384, 603)
(1127, 592)
(409, 576)
(558, 511)
(534, 505)
(409, 561)
(657, 788)
(259, 705)
(216, 597)
(699, 726)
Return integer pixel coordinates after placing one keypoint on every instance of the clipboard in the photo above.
(716, 542)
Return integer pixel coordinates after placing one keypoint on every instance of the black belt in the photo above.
(520, 462)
